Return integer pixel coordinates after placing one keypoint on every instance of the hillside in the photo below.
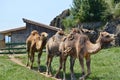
(104, 66)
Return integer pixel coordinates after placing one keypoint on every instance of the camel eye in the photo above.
(107, 36)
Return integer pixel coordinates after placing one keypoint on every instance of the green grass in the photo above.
(105, 65)
(11, 71)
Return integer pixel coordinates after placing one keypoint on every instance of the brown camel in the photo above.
(35, 43)
(80, 47)
(52, 46)
(52, 49)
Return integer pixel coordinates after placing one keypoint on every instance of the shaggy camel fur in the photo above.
(52, 49)
(35, 43)
(52, 46)
(80, 47)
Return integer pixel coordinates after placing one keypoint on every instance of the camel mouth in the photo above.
(113, 36)
(44, 34)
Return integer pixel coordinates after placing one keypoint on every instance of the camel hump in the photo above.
(34, 32)
(70, 37)
(83, 39)
(60, 32)
(75, 30)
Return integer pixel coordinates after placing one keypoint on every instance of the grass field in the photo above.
(104, 66)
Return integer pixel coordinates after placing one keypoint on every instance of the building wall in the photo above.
(31, 27)
(18, 36)
(21, 35)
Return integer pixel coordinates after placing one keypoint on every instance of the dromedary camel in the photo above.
(35, 43)
(52, 46)
(80, 47)
(52, 49)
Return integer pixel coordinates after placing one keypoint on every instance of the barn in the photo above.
(19, 35)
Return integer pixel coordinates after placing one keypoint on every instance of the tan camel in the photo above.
(52, 49)
(80, 47)
(52, 46)
(35, 43)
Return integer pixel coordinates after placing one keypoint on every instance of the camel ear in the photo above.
(101, 34)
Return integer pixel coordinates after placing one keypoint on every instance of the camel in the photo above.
(35, 43)
(52, 46)
(52, 49)
(80, 47)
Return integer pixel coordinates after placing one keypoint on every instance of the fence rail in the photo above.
(14, 48)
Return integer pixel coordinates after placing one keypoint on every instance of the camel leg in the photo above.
(32, 59)
(48, 64)
(39, 55)
(72, 61)
(88, 61)
(60, 67)
(81, 60)
(64, 67)
(28, 54)
(27, 64)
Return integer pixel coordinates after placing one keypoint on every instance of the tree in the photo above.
(113, 9)
(88, 10)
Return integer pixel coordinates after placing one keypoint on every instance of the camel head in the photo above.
(60, 32)
(43, 35)
(34, 32)
(106, 37)
(41, 40)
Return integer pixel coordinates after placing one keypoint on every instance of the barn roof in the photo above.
(30, 22)
(40, 24)
(13, 30)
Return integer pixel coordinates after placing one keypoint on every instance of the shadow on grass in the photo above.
(78, 75)
(42, 69)
(95, 78)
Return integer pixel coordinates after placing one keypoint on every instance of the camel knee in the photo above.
(32, 59)
(83, 73)
(38, 61)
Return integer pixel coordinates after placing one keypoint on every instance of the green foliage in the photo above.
(92, 11)
(69, 22)
(112, 9)
(88, 10)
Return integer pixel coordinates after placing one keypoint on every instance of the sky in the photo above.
(43, 11)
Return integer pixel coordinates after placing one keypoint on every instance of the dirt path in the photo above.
(12, 58)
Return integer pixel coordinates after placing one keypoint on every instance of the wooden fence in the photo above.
(12, 48)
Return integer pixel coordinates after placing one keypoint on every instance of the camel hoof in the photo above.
(39, 70)
(31, 67)
(64, 79)
(47, 73)
(26, 65)
(73, 78)
(57, 76)
(81, 78)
